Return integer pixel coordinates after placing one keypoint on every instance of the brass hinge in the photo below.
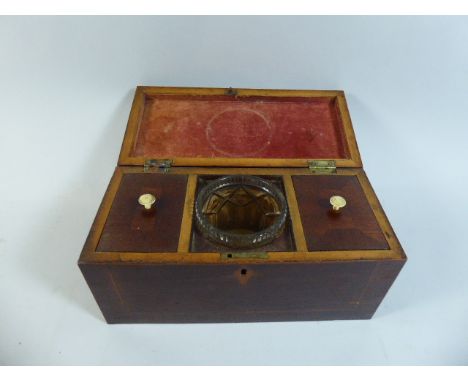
(163, 164)
(322, 166)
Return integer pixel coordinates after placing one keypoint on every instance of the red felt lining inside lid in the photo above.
(240, 127)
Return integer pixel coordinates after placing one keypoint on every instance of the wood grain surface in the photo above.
(148, 293)
(129, 227)
(355, 227)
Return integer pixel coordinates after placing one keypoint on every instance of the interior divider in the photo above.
(298, 231)
(187, 217)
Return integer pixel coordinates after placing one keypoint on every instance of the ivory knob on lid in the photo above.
(337, 202)
(147, 200)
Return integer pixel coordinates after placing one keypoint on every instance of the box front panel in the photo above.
(241, 293)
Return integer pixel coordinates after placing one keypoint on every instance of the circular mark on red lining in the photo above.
(239, 132)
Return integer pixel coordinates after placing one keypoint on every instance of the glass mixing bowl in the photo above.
(240, 211)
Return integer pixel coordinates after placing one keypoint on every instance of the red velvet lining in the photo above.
(249, 127)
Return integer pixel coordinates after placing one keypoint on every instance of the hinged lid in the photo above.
(239, 127)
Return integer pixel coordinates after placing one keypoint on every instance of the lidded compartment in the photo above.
(239, 128)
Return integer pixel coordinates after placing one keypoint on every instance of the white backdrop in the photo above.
(66, 86)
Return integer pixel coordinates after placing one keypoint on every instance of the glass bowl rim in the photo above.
(236, 240)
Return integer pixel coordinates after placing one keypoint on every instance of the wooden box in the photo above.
(153, 266)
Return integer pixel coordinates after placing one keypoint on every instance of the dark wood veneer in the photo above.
(173, 293)
(354, 227)
(131, 228)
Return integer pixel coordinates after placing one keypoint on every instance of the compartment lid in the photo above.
(239, 127)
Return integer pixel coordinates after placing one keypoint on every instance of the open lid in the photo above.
(239, 127)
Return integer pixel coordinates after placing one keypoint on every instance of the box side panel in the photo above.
(380, 281)
(104, 290)
(149, 293)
